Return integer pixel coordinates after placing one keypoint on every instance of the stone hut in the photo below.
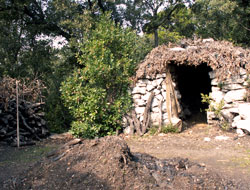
(171, 83)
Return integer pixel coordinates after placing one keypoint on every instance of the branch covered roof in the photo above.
(221, 56)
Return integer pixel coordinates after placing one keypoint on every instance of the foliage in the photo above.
(97, 94)
(149, 15)
(213, 106)
(222, 20)
(57, 115)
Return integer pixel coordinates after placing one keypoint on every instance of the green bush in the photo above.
(97, 93)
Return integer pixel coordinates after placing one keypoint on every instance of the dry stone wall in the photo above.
(229, 106)
(141, 93)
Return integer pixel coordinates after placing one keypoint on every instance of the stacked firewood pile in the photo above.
(32, 125)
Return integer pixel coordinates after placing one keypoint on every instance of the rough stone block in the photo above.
(154, 117)
(141, 84)
(215, 82)
(157, 92)
(159, 97)
(235, 95)
(143, 81)
(140, 102)
(165, 116)
(212, 74)
(235, 80)
(240, 132)
(136, 96)
(215, 89)
(235, 121)
(139, 110)
(234, 110)
(159, 81)
(210, 116)
(227, 115)
(233, 87)
(217, 96)
(146, 96)
(244, 111)
(155, 110)
(163, 75)
(155, 103)
(139, 90)
(164, 95)
(243, 124)
(150, 87)
(164, 87)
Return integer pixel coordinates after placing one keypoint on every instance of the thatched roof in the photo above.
(219, 55)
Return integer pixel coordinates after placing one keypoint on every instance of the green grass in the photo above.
(26, 155)
(165, 129)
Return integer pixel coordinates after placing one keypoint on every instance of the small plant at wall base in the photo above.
(97, 93)
(206, 99)
(212, 105)
(221, 85)
(170, 128)
(225, 126)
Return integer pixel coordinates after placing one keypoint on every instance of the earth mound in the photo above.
(107, 163)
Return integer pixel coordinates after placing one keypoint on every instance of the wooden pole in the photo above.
(168, 96)
(17, 116)
(146, 116)
(160, 116)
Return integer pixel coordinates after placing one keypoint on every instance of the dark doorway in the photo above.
(192, 81)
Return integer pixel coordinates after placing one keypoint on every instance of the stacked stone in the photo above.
(232, 95)
(141, 92)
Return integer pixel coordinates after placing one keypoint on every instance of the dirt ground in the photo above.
(220, 151)
(104, 165)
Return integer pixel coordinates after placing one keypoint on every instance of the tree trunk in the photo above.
(156, 37)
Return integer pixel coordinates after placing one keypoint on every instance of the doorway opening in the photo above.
(193, 81)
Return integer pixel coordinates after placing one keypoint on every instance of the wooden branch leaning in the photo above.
(146, 117)
(168, 95)
(160, 116)
(137, 123)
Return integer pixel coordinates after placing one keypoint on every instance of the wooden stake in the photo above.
(168, 96)
(146, 117)
(160, 116)
(17, 116)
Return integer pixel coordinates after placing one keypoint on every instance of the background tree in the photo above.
(151, 15)
(223, 20)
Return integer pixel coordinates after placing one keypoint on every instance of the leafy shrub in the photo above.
(97, 92)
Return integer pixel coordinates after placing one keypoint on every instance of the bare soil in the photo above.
(193, 159)
(204, 145)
